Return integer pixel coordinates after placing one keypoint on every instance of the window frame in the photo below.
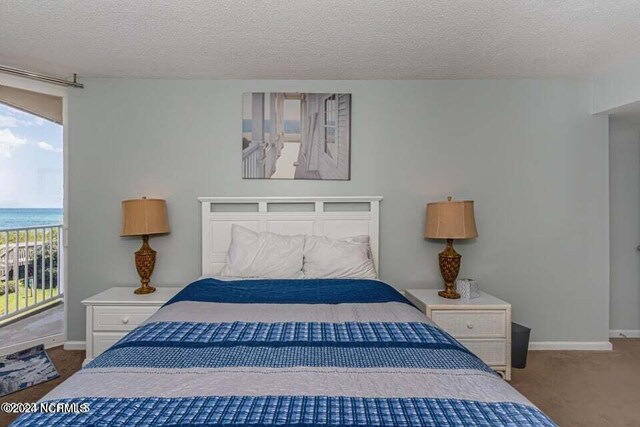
(62, 92)
(333, 155)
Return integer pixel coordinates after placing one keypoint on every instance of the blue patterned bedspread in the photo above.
(290, 291)
(324, 352)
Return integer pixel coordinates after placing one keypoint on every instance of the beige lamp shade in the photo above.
(451, 220)
(142, 217)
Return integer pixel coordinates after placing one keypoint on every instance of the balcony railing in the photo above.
(30, 268)
(253, 161)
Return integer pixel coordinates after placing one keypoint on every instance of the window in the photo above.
(330, 126)
(31, 268)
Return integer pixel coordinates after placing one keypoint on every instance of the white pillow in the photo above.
(347, 258)
(267, 255)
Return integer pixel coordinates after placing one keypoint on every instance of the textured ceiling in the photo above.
(319, 39)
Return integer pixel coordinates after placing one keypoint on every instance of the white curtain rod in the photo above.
(41, 77)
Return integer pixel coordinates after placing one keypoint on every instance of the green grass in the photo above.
(22, 236)
(25, 297)
(46, 263)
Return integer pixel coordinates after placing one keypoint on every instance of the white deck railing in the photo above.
(30, 268)
(252, 161)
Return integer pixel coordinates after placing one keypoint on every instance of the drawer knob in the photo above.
(125, 320)
(469, 325)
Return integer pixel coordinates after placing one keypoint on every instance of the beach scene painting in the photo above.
(291, 135)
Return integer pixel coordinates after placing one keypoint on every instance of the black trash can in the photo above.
(519, 345)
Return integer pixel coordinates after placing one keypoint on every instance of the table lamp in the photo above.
(144, 217)
(450, 220)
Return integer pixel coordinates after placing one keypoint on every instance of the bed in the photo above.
(287, 351)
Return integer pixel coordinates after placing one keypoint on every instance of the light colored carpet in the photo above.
(575, 388)
(585, 388)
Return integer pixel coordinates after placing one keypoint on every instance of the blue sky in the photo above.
(31, 173)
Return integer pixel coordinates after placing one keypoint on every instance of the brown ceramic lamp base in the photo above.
(145, 262)
(144, 290)
(449, 268)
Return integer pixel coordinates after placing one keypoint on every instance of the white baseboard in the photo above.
(571, 345)
(50, 341)
(624, 333)
(75, 345)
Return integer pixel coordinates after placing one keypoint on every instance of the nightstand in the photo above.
(112, 314)
(483, 324)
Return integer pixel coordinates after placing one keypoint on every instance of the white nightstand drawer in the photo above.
(481, 324)
(472, 323)
(104, 340)
(492, 351)
(111, 314)
(120, 318)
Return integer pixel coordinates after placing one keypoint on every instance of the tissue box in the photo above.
(467, 288)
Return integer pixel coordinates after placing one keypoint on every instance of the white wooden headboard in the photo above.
(333, 217)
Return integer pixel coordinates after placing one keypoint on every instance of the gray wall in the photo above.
(624, 163)
(527, 151)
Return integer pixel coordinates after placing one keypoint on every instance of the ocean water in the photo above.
(19, 217)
